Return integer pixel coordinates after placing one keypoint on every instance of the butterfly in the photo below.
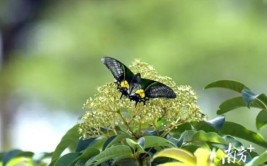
(133, 86)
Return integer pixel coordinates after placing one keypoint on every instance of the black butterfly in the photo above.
(135, 87)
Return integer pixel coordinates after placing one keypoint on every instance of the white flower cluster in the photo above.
(106, 113)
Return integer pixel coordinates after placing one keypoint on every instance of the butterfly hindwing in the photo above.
(135, 87)
(155, 89)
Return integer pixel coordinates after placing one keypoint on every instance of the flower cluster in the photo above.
(106, 113)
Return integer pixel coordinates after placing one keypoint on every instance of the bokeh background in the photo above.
(50, 56)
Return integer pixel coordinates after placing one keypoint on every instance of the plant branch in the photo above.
(127, 125)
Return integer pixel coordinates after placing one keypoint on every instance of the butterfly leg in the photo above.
(121, 95)
(136, 103)
(144, 102)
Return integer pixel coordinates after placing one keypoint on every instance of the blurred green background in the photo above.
(50, 56)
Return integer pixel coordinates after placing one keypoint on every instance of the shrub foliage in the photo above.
(167, 132)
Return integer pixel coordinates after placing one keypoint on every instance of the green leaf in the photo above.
(227, 84)
(141, 142)
(259, 160)
(156, 141)
(131, 143)
(110, 153)
(83, 144)
(93, 149)
(259, 102)
(180, 129)
(18, 161)
(98, 143)
(205, 126)
(248, 96)
(261, 119)
(187, 136)
(175, 141)
(236, 102)
(16, 153)
(134, 145)
(108, 141)
(203, 156)
(263, 98)
(67, 160)
(212, 125)
(80, 163)
(1, 155)
(150, 133)
(233, 141)
(88, 153)
(177, 154)
(191, 147)
(237, 130)
(252, 99)
(125, 161)
(231, 104)
(173, 163)
(211, 137)
(217, 122)
(69, 138)
(114, 141)
(40, 157)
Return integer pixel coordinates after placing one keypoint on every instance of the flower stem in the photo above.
(127, 125)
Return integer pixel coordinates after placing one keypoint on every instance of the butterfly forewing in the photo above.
(118, 69)
(135, 87)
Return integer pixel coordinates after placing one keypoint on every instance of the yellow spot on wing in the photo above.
(124, 84)
(141, 93)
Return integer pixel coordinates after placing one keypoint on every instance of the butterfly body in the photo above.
(123, 87)
(133, 86)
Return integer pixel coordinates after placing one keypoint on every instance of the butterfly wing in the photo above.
(138, 89)
(121, 73)
(118, 69)
(155, 89)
